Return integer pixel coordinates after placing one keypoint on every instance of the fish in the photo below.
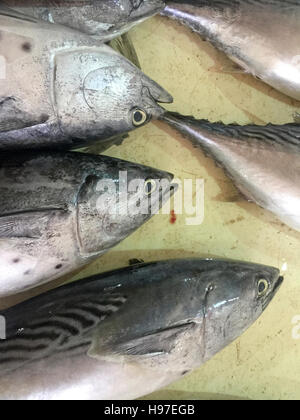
(61, 89)
(104, 19)
(262, 161)
(260, 36)
(59, 211)
(129, 332)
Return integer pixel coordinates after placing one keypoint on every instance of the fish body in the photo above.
(63, 89)
(123, 334)
(261, 36)
(104, 19)
(59, 211)
(262, 161)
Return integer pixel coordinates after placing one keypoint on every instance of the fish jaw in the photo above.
(261, 38)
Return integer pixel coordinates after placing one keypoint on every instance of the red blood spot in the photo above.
(173, 217)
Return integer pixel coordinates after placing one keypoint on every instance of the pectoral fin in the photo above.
(25, 225)
(13, 117)
(124, 46)
(151, 350)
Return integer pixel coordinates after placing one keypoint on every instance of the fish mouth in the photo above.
(274, 291)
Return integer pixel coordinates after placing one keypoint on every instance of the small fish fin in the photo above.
(12, 117)
(230, 67)
(135, 261)
(124, 46)
(233, 198)
(26, 224)
(101, 146)
(7, 11)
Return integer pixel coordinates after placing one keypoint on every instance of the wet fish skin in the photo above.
(262, 37)
(105, 19)
(77, 91)
(262, 161)
(123, 334)
(56, 215)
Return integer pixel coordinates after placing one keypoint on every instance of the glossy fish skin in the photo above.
(124, 334)
(56, 216)
(261, 36)
(77, 91)
(105, 19)
(262, 161)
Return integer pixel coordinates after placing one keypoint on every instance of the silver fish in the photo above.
(262, 161)
(124, 334)
(105, 19)
(63, 89)
(261, 36)
(56, 216)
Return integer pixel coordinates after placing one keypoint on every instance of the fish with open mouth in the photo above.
(105, 19)
(63, 89)
(127, 333)
(59, 211)
(261, 36)
(262, 161)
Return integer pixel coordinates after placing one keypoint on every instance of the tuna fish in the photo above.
(63, 89)
(59, 211)
(261, 36)
(262, 161)
(105, 19)
(124, 334)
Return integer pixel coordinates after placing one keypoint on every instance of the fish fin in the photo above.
(230, 67)
(124, 46)
(12, 117)
(7, 11)
(283, 135)
(59, 322)
(25, 224)
(135, 261)
(154, 345)
(101, 146)
(296, 117)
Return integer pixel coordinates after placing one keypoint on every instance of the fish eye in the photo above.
(263, 287)
(150, 186)
(139, 117)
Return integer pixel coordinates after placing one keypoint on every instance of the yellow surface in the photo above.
(265, 362)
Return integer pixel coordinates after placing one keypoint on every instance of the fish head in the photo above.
(235, 295)
(115, 97)
(111, 207)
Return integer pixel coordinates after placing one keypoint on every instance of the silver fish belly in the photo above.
(63, 89)
(123, 334)
(262, 161)
(56, 217)
(105, 19)
(262, 37)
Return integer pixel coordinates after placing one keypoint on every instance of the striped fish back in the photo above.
(61, 328)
